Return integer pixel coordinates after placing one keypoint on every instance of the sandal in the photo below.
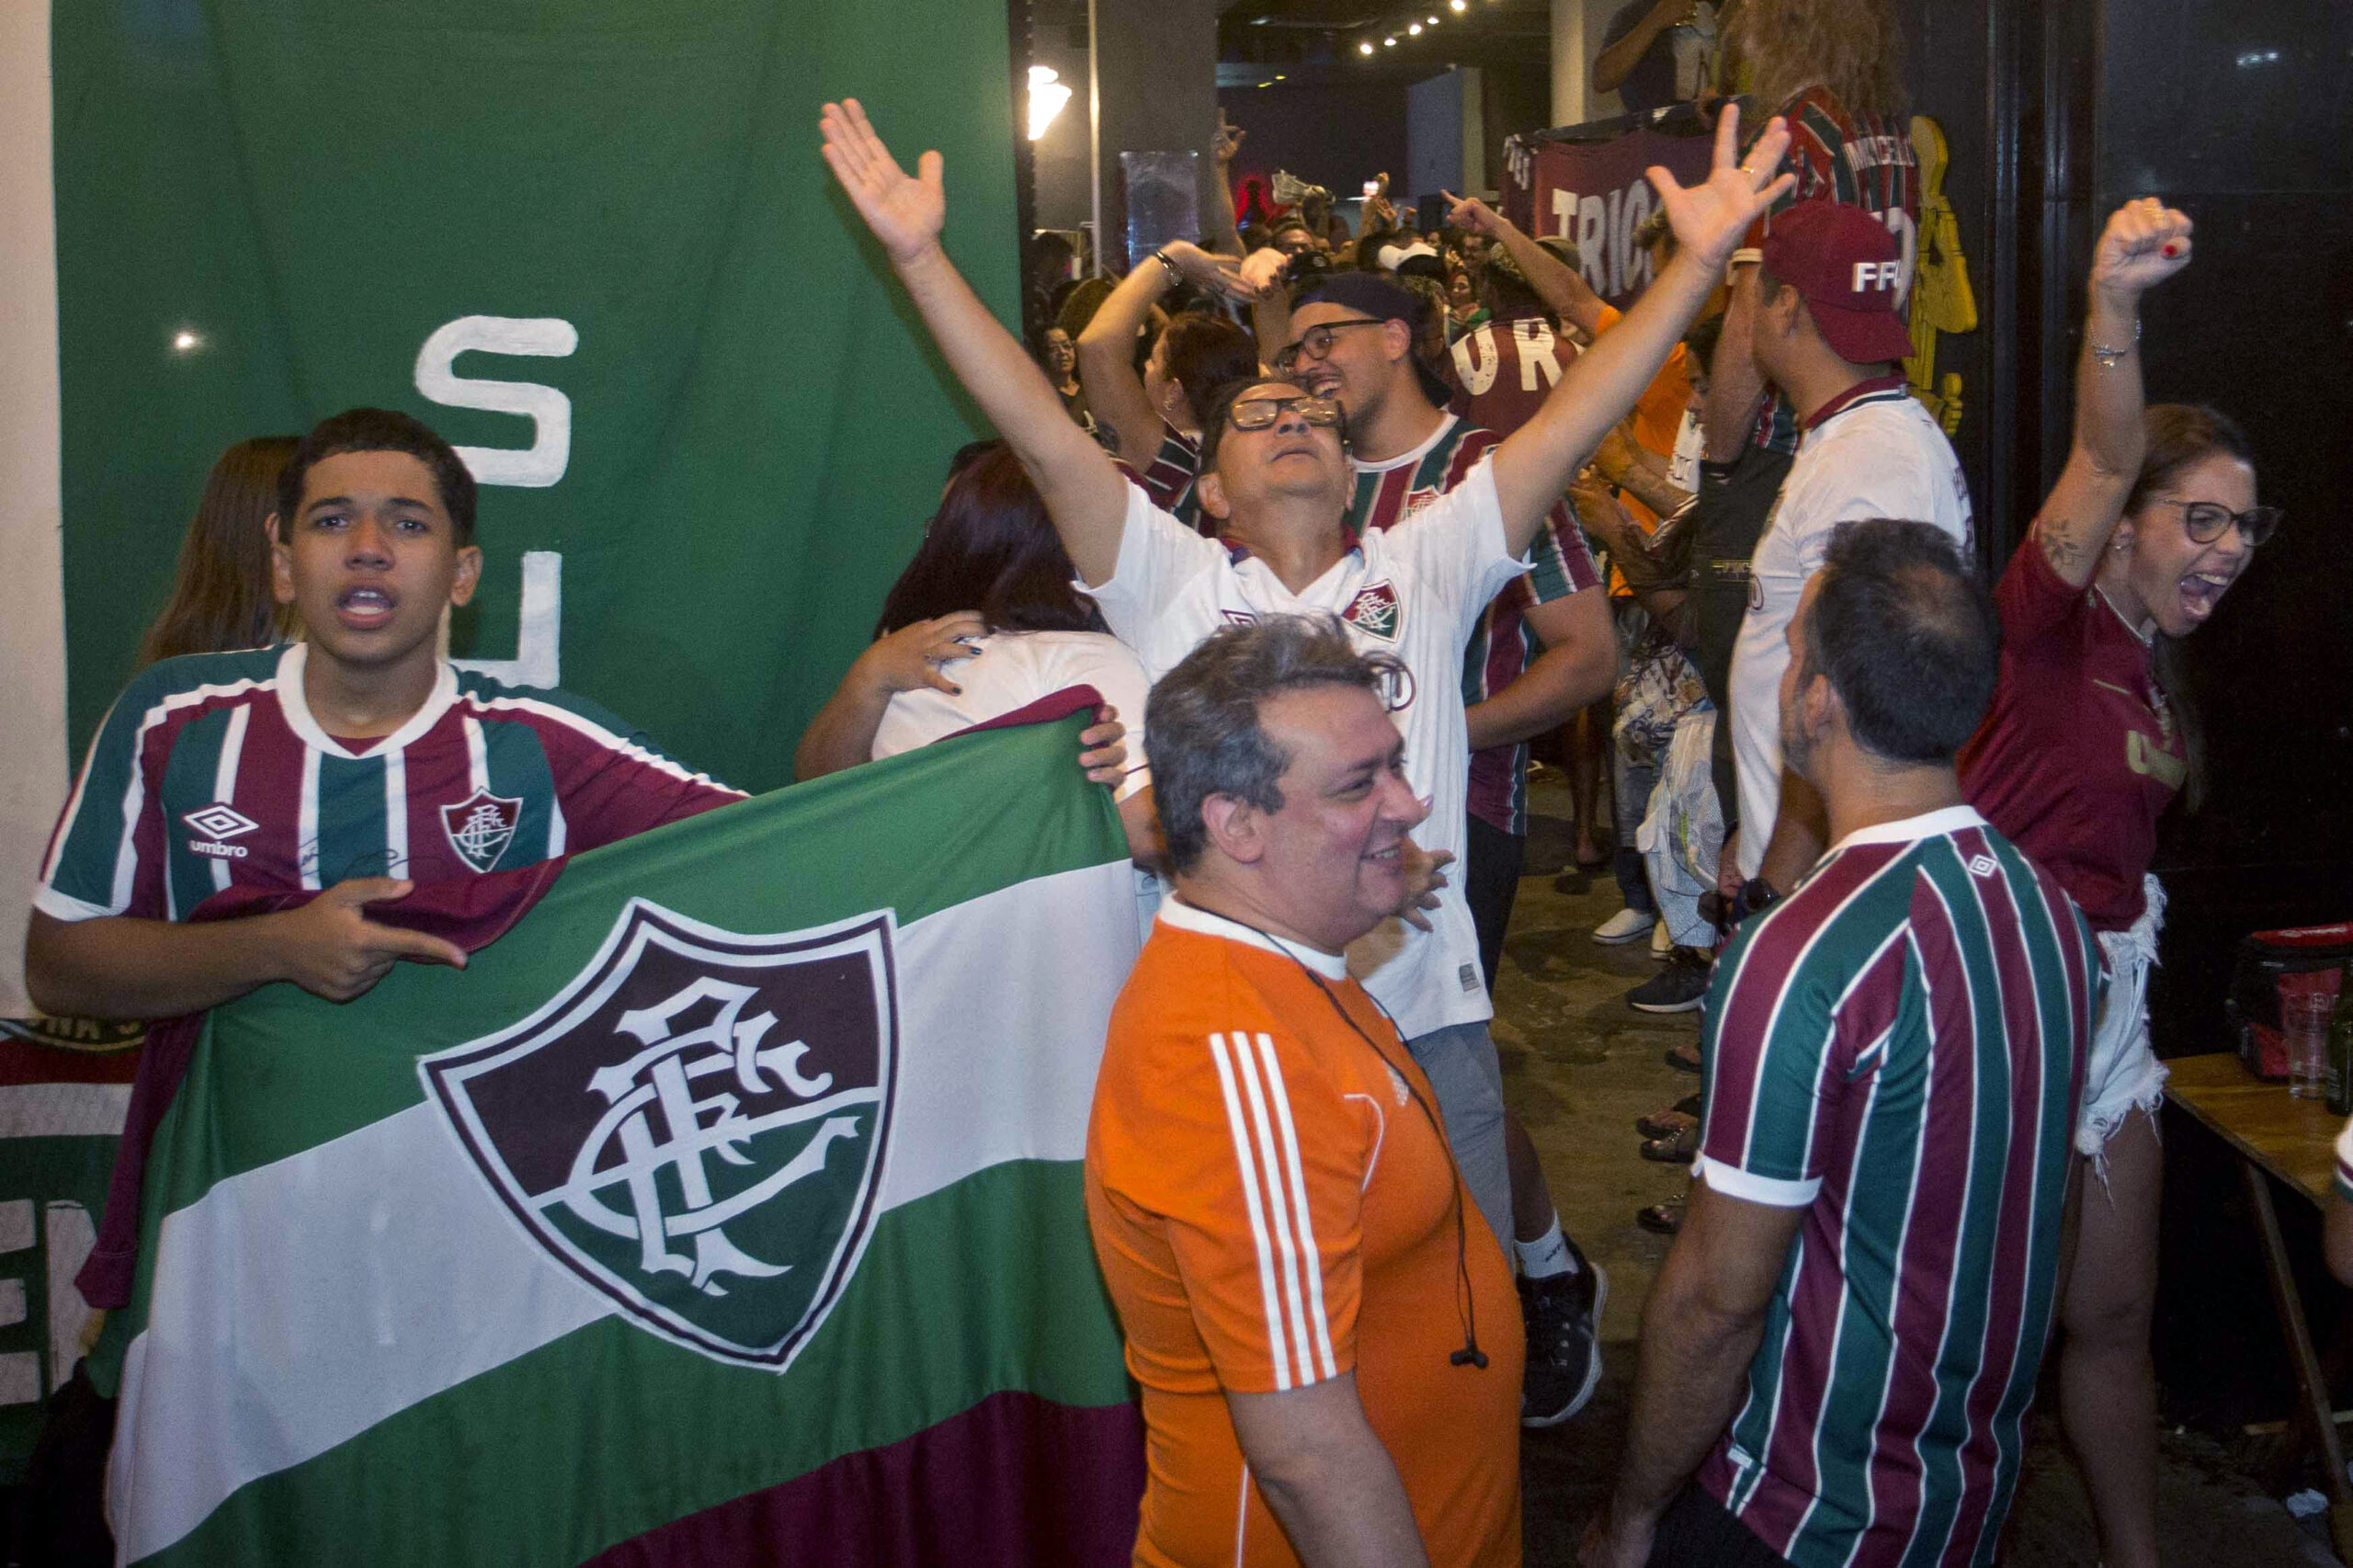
(1666, 1123)
(1665, 1218)
(1684, 1059)
(1677, 1149)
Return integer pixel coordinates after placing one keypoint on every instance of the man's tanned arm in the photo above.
(1701, 1328)
(1084, 495)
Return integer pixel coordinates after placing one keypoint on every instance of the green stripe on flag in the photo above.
(977, 816)
(515, 1441)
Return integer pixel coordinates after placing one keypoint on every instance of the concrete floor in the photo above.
(1579, 1066)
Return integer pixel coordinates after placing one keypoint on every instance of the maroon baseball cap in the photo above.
(1848, 266)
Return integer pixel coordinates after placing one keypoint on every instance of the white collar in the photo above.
(1412, 455)
(295, 707)
(1929, 825)
(1176, 912)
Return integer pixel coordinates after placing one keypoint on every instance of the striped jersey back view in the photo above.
(1898, 1048)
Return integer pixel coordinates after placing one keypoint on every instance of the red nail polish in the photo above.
(2173, 247)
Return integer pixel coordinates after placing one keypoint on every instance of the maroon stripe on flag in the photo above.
(1016, 1480)
(1054, 705)
(29, 1060)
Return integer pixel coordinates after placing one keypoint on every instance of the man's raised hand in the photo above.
(2144, 243)
(1709, 219)
(1472, 215)
(331, 948)
(906, 212)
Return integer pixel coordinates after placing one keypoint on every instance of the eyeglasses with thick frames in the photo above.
(1315, 343)
(2207, 519)
(1258, 413)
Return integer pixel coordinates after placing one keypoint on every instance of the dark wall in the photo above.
(2239, 116)
(1338, 135)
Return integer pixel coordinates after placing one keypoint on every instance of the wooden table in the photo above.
(2278, 1136)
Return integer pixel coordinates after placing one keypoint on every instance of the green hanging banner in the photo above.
(594, 245)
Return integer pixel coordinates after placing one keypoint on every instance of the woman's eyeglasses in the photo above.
(2207, 519)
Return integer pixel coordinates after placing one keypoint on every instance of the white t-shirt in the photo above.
(1414, 591)
(1881, 456)
(1008, 671)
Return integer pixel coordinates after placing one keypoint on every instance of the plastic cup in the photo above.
(2304, 1028)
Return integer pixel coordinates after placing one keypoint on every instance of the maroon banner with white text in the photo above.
(1596, 194)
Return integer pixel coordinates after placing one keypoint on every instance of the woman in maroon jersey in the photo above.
(2089, 739)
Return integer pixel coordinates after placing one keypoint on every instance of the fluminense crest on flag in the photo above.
(694, 1122)
(480, 826)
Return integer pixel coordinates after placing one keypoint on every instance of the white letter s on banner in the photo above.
(543, 462)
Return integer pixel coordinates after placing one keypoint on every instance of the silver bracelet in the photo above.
(1175, 274)
(2108, 357)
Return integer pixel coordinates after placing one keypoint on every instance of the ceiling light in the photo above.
(1389, 43)
(1364, 49)
(187, 341)
(1458, 6)
(1416, 29)
(1432, 21)
(1047, 98)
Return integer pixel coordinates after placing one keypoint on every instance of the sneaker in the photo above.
(1662, 943)
(1680, 987)
(1626, 926)
(1564, 1316)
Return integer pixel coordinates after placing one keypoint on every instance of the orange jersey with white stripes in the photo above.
(1272, 1209)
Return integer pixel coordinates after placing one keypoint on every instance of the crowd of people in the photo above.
(1338, 525)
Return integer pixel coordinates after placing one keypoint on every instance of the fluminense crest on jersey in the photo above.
(1375, 610)
(479, 826)
(694, 1123)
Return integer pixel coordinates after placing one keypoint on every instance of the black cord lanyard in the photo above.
(1466, 1305)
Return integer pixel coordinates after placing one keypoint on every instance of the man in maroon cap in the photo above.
(1822, 298)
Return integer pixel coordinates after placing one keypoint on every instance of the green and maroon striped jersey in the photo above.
(1898, 1049)
(1502, 645)
(211, 771)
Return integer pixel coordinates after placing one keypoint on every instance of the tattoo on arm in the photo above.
(2064, 551)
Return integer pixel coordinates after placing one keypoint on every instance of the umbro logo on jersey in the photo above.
(1983, 865)
(479, 826)
(1417, 499)
(1375, 610)
(219, 823)
(1240, 617)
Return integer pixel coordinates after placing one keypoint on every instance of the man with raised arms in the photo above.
(1275, 470)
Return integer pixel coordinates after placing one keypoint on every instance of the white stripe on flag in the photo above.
(64, 1110)
(410, 1277)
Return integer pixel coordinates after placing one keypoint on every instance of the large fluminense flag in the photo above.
(727, 1210)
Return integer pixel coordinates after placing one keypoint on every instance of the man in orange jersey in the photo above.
(1326, 1335)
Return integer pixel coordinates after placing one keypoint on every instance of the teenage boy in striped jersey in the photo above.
(1844, 1341)
(358, 764)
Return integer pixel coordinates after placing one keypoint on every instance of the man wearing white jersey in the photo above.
(1275, 470)
(1819, 303)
